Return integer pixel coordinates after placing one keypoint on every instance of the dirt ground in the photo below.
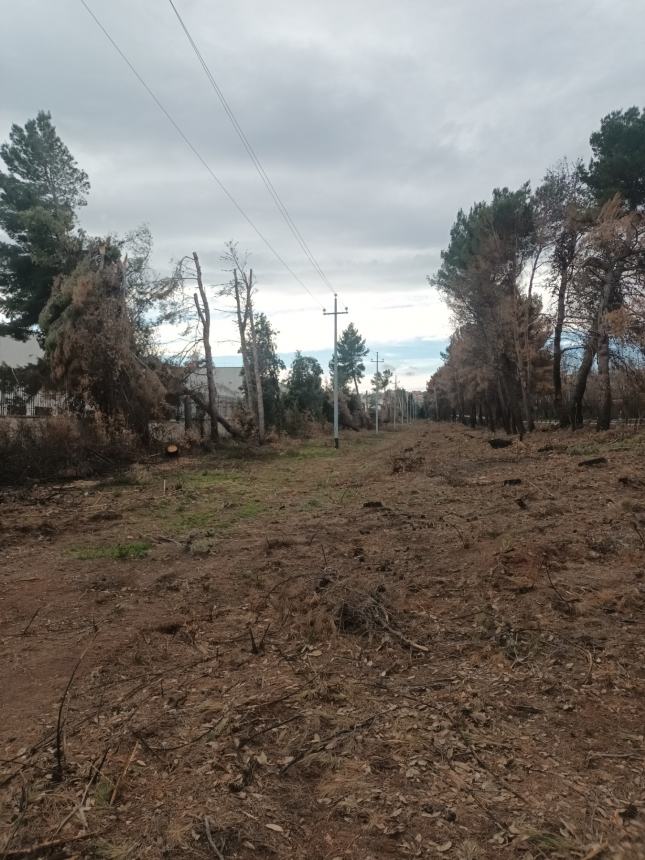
(417, 646)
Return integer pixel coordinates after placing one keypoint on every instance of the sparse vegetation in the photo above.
(120, 551)
(380, 633)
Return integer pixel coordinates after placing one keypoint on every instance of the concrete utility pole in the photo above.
(335, 313)
(376, 361)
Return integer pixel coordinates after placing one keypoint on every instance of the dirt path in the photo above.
(417, 646)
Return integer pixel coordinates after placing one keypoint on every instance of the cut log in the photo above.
(500, 443)
(172, 451)
(594, 461)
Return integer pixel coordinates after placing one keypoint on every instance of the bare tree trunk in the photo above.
(188, 414)
(256, 363)
(204, 314)
(557, 352)
(594, 343)
(581, 381)
(197, 398)
(513, 394)
(490, 414)
(503, 413)
(604, 412)
(242, 319)
(528, 406)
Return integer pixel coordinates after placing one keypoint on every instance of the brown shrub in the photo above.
(59, 447)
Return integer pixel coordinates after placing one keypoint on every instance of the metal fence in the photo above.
(19, 402)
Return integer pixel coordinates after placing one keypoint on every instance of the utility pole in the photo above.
(395, 403)
(376, 361)
(335, 313)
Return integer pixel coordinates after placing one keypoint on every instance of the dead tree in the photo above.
(259, 394)
(204, 315)
(243, 288)
(242, 311)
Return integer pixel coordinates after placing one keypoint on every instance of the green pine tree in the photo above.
(304, 385)
(39, 193)
(351, 352)
(271, 365)
(618, 163)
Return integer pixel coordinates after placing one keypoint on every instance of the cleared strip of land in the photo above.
(418, 646)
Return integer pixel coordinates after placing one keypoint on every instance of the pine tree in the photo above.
(351, 352)
(304, 385)
(618, 163)
(39, 194)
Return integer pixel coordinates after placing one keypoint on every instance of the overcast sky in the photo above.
(375, 120)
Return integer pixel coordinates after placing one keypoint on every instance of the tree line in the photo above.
(547, 292)
(97, 305)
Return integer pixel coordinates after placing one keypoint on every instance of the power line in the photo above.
(196, 152)
(282, 209)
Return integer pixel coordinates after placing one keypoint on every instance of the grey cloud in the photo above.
(376, 121)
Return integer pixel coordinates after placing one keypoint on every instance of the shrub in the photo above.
(59, 447)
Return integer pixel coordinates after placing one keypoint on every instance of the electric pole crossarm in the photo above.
(335, 313)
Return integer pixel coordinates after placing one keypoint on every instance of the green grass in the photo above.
(121, 479)
(584, 449)
(627, 442)
(311, 451)
(118, 551)
(202, 515)
(203, 480)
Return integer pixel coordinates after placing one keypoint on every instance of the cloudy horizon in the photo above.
(376, 122)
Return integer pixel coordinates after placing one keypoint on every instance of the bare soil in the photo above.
(417, 646)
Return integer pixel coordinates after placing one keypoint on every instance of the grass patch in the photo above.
(190, 520)
(205, 518)
(583, 450)
(249, 509)
(203, 480)
(118, 551)
(121, 479)
(310, 452)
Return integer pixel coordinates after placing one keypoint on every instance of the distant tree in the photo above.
(271, 365)
(39, 193)
(146, 291)
(304, 385)
(618, 162)
(481, 280)
(242, 288)
(610, 277)
(382, 379)
(351, 351)
(195, 310)
(564, 210)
